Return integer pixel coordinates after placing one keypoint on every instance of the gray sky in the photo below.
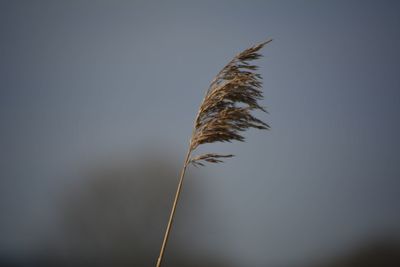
(86, 81)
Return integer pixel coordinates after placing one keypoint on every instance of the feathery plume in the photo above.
(226, 108)
(224, 114)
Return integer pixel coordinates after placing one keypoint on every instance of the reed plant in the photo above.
(224, 113)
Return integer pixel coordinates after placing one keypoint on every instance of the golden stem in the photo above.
(171, 216)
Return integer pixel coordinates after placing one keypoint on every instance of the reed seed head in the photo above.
(226, 110)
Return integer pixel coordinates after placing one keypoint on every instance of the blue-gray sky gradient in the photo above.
(83, 81)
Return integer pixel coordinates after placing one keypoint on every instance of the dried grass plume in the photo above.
(226, 111)
(226, 108)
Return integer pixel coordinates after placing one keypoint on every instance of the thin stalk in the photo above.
(172, 214)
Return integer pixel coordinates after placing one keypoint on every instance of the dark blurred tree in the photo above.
(118, 214)
(384, 252)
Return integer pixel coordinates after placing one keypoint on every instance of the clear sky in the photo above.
(90, 81)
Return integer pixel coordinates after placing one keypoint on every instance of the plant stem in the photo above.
(171, 216)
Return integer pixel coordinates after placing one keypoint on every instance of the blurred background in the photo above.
(97, 100)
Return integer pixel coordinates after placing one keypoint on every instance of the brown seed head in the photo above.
(226, 108)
